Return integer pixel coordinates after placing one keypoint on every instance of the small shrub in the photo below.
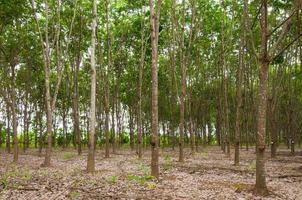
(140, 179)
(113, 179)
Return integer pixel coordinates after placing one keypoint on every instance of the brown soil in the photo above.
(208, 174)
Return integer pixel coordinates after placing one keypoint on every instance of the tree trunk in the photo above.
(8, 134)
(49, 113)
(131, 134)
(107, 94)
(183, 91)
(113, 126)
(140, 83)
(64, 116)
(262, 101)
(118, 112)
(14, 113)
(91, 151)
(154, 23)
(1, 135)
(75, 99)
(41, 140)
(25, 123)
(239, 87)
(225, 88)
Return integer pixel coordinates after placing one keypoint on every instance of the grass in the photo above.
(252, 166)
(74, 194)
(68, 155)
(13, 173)
(113, 179)
(204, 154)
(140, 179)
(239, 187)
(168, 163)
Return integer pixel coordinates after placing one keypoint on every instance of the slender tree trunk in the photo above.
(64, 116)
(131, 129)
(91, 151)
(25, 131)
(239, 87)
(140, 83)
(14, 113)
(41, 140)
(49, 117)
(261, 125)
(113, 126)
(107, 94)
(118, 112)
(183, 91)
(8, 133)
(154, 23)
(75, 98)
(36, 126)
(1, 125)
(225, 87)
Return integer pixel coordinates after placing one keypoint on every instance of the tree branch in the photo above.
(286, 47)
(284, 31)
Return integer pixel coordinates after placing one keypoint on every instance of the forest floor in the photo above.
(209, 174)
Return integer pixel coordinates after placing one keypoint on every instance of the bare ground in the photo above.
(209, 174)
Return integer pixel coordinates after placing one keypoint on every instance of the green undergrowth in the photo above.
(168, 163)
(13, 172)
(142, 180)
(240, 187)
(68, 155)
(113, 179)
(252, 166)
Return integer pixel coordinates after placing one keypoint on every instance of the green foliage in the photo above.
(204, 21)
(113, 179)
(139, 179)
(14, 172)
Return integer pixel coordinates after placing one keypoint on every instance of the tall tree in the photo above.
(183, 87)
(91, 159)
(140, 82)
(154, 22)
(239, 84)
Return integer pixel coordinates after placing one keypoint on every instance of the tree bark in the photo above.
(183, 90)
(75, 97)
(107, 93)
(49, 117)
(25, 123)
(154, 23)
(91, 151)
(140, 83)
(262, 101)
(8, 134)
(131, 129)
(64, 119)
(239, 87)
(14, 113)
